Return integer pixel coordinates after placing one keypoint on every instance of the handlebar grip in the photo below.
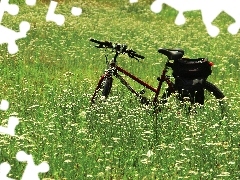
(96, 41)
(101, 44)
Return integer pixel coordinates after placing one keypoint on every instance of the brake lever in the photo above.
(132, 56)
(136, 59)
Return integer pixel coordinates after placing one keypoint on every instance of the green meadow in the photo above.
(49, 83)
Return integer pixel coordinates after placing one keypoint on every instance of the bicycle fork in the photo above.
(108, 74)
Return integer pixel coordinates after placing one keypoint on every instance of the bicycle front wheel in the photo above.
(102, 90)
(212, 97)
(107, 86)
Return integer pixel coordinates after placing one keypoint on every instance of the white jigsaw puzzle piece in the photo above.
(31, 171)
(231, 7)
(4, 170)
(76, 11)
(10, 129)
(12, 9)
(4, 105)
(133, 1)
(7, 35)
(59, 19)
(31, 2)
(209, 9)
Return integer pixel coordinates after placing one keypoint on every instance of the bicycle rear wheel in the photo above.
(102, 90)
(212, 96)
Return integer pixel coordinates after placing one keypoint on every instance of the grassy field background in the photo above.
(50, 80)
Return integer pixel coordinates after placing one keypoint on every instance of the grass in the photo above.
(50, 80)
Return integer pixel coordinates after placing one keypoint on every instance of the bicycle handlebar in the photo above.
(118, 47)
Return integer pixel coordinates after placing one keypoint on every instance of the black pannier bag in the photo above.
(192, 68)
(190, 77)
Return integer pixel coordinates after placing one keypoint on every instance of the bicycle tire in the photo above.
(210, 91)
(102, 90)
(107, 87)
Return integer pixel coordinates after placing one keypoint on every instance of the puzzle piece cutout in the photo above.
(59, 19)
(12, 121)
(76, 11)
(31, 2)
(10, 129)
(133, 1)
(10, 8)
(31, 170)
(209, 9)
(4, 170)
(4, 105)
(51, 16)
(7, 35)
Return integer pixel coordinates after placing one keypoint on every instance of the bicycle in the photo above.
(191, 86)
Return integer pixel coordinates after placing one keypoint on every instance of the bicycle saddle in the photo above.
(172, 54)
